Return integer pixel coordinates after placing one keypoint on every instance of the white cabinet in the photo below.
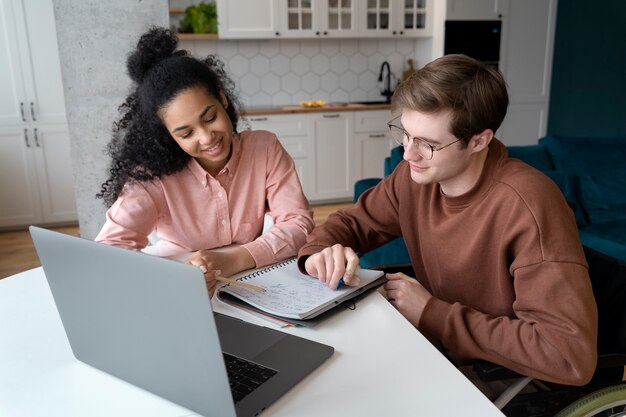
(30, 74)
(36, 182)
(473, 9)
(527, 44)
(319, 18)
(391, 18)
(245, 19)
(372, 143)
(35, 177)
(258, 19)
(294, 133)
(331, 150)
(334, 150)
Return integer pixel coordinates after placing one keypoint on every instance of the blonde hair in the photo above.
(474, 93)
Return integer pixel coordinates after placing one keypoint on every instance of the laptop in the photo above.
(149, 321)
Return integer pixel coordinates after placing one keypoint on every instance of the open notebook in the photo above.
(291, 294)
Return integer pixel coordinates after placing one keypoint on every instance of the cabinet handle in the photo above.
(330, 116)
(26, 138)
(36, 139)
(380, 135)
(22, 111)
(32, 111)
(258, 119)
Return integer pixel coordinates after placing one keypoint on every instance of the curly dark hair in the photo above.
(141, 148)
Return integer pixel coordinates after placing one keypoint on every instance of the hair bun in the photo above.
(153, 46)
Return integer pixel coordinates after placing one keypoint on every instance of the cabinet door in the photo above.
(370, 153)
(526, 61)
(54, 173)
(300, 19)
(294, 133)
(472, 9)
(414, 18)
(376, 18)
(245, 19)
(20, 203)
(333, 157)
(339, 18)
(46, 102)
(13, 102)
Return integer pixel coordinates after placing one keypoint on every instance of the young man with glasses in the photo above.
(500, 271)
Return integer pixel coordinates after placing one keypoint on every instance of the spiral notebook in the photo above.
(294, 295)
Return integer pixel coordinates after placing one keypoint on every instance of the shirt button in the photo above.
(219, 194)
(223, 221)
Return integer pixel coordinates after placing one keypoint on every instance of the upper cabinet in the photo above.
(389, 18)
(239, 19)
(473, 10)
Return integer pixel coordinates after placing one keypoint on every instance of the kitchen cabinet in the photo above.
(245, 19)
(263, 19)
(527, 44)
(36, 182)
(331, 150)
(473, 9)
(334, 150)
(392, 18)
(294, 134)
(372, 143)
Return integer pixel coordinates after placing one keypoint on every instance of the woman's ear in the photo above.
(223, 99)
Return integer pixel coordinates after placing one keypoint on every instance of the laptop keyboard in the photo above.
(245, 376)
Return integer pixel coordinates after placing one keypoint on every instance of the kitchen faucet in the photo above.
(387, 92)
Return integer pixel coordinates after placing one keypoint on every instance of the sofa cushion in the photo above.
(584, 155)
(535, 155)
(603, 195)
(569, 186)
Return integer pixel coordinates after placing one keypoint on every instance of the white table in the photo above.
(382, 366)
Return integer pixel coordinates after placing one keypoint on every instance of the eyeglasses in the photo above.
(402, 137)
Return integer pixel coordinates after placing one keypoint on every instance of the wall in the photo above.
(588, 95)
(94, 37)
(285, 72)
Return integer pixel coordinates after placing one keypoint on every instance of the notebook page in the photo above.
(289, 293)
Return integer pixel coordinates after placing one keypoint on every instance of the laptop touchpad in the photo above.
(244, 339)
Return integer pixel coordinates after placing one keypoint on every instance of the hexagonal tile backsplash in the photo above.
(287, 71)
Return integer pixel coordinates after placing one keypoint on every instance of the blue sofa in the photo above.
(591, 173)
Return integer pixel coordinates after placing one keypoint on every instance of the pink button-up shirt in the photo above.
(190, 210)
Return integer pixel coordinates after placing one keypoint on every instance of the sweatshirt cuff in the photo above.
(433, 318)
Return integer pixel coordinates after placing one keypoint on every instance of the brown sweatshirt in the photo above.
(503, 262)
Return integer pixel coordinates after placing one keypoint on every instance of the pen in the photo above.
(241, 284)
(340, 283)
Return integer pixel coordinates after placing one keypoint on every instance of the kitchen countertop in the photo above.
(331, 107)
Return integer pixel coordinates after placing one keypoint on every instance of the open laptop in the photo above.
(149, 321)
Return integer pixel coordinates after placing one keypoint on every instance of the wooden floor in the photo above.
(17, 253)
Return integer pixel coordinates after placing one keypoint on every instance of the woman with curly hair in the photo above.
(181, 169)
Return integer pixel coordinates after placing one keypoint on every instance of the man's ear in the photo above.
(223, 99)
(481, 140)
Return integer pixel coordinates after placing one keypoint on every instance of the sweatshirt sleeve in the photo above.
(288, 207)
(552, 336)
(369, 223)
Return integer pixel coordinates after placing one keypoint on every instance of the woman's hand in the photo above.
(221, 262)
